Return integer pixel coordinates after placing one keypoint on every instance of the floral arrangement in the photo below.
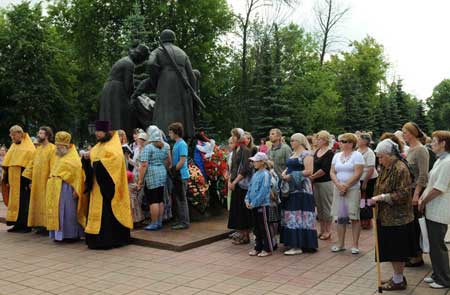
(197, 188)
(217, 165)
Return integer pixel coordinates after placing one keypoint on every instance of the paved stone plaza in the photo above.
(32, 264)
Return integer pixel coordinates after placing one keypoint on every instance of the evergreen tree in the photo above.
(134, 27)
(359, 74)
(421, 117)
(37, 75)
(262, 90)
(439, 106)
(402, 102)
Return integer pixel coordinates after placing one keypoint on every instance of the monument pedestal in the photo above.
(200, 233)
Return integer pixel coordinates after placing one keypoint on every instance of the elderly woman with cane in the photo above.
(395, 218)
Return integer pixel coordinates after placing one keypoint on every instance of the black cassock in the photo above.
(112, 233)
(24, 202)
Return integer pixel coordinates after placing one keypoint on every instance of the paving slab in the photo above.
(33, 264)
(198, 234)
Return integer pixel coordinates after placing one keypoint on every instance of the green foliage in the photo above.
(359, 74)
(439, 105)
(54, 66)
(36, 77)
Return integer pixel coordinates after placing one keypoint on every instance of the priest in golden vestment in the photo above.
(38, 172)
(15, 187)
(109, 218)
(65, 199)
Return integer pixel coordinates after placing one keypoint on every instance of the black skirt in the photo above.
(397, 243)
(239, 217)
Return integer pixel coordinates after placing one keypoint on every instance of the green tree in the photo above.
(439, 106)
(359, 76)
(421, 116)
(36, 75)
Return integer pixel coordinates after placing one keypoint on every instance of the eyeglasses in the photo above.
(344, 141)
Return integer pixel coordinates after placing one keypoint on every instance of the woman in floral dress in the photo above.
(298, 220)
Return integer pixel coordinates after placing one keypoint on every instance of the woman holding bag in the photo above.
(298, 221)
(346, 169)
(239, 217)
(436, 202)
(395, 224)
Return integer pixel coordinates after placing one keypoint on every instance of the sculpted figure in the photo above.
(117, 90)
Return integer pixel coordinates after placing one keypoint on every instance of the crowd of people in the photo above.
(99, 193)
(287, 194)
(297, 191)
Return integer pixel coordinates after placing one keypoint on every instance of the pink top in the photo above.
(264, 148)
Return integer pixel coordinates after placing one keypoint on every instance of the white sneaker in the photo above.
(293, 251)
(437, 286)
(428, 280)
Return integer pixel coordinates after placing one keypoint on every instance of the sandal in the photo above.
(324, 237)
(337, 249)
(386, 281)
(264, 254)
(241, 240)
(391, 286)
(390, 280)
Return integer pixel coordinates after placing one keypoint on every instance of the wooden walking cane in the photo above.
(377, 250)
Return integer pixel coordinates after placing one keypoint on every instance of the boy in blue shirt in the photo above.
(180, 173)
(258, 200)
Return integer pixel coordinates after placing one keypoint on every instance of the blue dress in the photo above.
(298, 216)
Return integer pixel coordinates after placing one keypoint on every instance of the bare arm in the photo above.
(142, 171)
(368, 177)
(333, 176)
(309, 166)
(318, 174)
(168, 161)
(180, 163)
(424, 200)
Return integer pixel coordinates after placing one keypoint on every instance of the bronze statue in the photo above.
(117, 90)
(175, 95)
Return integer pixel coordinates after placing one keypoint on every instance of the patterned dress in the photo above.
(298, 217)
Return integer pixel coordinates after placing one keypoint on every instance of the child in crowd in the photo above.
(258, 200)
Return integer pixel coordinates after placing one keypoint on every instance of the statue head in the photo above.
(167, 36)
(139, 54)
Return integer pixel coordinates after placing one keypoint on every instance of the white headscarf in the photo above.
(154, 134)
(387, 146)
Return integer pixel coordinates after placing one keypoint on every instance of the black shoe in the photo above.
(415, 264)
(16, 229)
(180, 226)
(41, 231)
(12, 229)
